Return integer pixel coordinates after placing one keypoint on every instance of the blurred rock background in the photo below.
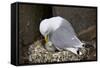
(29, 20)
(83, 21)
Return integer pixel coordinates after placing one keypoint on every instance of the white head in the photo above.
(51, 24)
(44, 27)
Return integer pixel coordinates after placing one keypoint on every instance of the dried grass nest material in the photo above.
(38, 54)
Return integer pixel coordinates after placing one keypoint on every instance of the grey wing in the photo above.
(62, 38)
(68, 26)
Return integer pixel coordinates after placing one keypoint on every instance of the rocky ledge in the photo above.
(39, 54)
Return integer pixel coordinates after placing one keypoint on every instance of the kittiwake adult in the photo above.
(60, 33)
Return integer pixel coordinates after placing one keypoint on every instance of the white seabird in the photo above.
(60, 32)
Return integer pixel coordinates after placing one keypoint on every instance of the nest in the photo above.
(39, 54)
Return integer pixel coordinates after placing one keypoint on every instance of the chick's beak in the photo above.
(46, 38)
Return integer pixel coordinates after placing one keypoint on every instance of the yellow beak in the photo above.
(46, 38)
